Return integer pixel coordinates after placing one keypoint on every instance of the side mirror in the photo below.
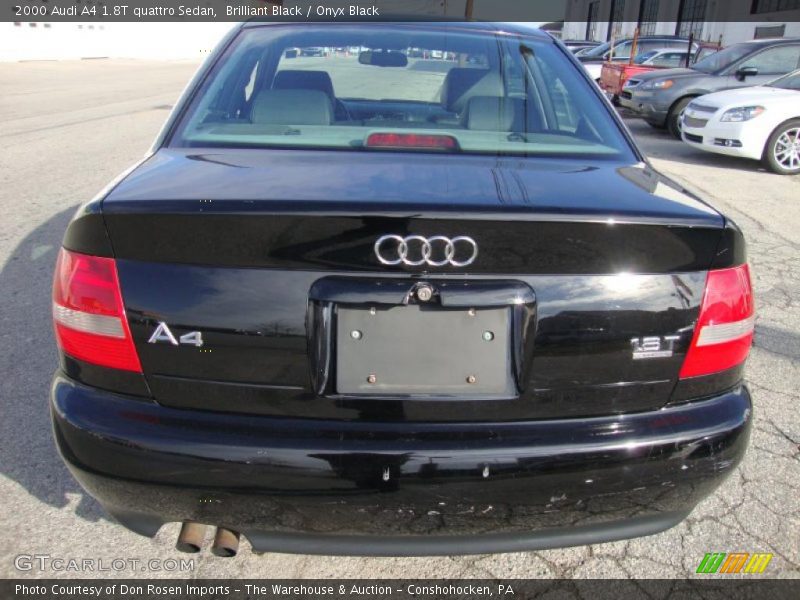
(383, 58)
(744, 72)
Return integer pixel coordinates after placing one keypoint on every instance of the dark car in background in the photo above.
(368, 308)
(576, 46)
(661, 97)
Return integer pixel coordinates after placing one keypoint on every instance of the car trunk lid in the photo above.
(584, 264)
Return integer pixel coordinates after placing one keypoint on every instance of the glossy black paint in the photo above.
(261, 352)
(150, 464)
(124, 382)
(255, 208)
(87, 233)
(692, 388)
(732, 250)
(257, 248)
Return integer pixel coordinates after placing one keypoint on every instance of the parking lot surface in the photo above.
(67, 128)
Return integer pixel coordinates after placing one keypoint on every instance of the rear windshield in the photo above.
(399, 87)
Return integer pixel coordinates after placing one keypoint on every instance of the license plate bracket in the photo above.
(420, 347)
(423, 350)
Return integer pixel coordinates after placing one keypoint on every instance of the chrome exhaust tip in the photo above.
(226, 543)
(191, 537)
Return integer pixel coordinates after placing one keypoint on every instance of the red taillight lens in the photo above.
(411, 140)
(88, 312)
(724, 330)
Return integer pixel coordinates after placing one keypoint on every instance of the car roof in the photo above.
(772, 41)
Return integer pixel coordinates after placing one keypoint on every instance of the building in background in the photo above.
(69, 41)
(709, 20)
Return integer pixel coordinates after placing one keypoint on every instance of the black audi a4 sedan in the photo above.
(370, 303)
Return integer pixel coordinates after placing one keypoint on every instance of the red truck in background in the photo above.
(614, 75)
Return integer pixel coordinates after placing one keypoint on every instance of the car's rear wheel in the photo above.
(675, 115)
(782, 153)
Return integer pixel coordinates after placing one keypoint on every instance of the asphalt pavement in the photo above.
(67, 128)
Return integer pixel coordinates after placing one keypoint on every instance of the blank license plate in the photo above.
(407, 350)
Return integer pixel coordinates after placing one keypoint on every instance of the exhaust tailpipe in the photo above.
(226, 543)
(190, 539)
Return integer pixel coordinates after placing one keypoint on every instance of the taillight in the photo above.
(724, 330)
(411, 140)
(88, 313)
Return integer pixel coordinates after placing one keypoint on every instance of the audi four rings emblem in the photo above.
(416, 250)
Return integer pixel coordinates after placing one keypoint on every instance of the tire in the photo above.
(674, 117)
(782, 152)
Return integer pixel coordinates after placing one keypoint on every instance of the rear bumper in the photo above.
(398, 489)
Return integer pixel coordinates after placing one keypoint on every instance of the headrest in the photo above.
(461, 84)
(490, 113)
(292, 107)
(303, 80)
